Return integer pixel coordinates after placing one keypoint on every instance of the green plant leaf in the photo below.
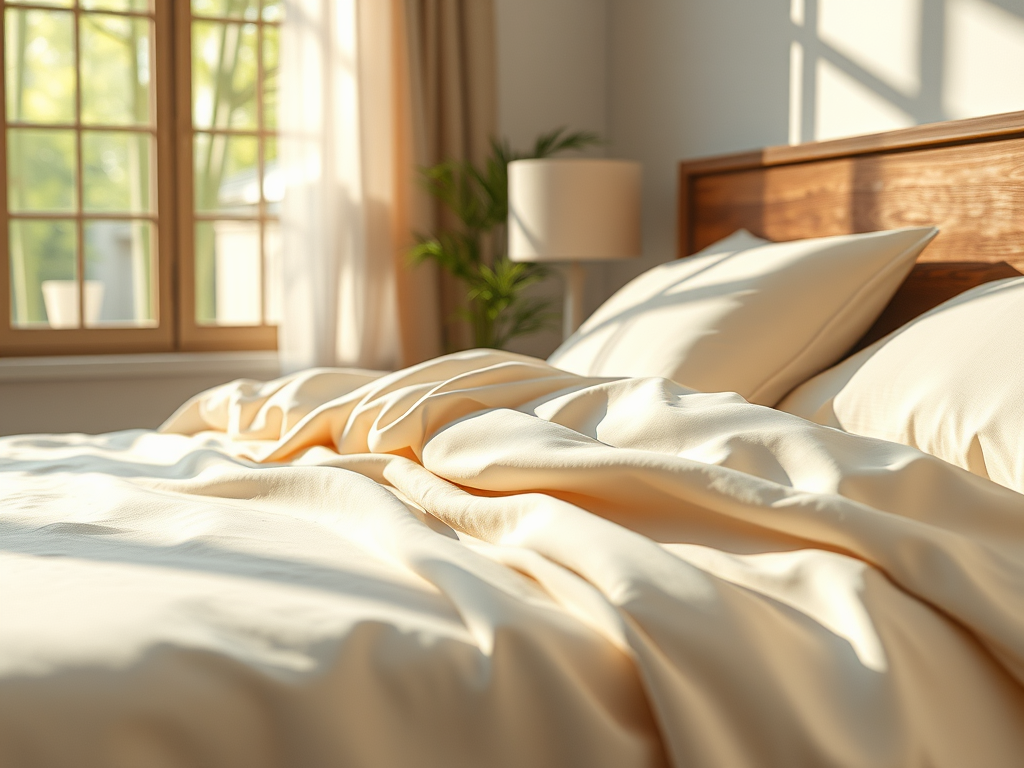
(477, 196)
(558, 140)
(455, 252)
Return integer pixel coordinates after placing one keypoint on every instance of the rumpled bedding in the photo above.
(486, 561)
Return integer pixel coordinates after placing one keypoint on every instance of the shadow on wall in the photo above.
(861, 66)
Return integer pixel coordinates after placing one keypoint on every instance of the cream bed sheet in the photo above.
(483, 560)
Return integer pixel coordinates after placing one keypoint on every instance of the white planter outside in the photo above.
(239, 282)
(61, 300)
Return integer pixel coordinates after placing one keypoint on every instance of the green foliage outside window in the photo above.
(41, 85)
(118, 167)
(225, 88)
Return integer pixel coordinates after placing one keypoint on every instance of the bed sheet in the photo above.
(484, 560)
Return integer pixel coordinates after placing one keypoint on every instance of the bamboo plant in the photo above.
(474, 251)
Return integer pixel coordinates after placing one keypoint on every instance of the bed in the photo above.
(961, 176)
(488, 560)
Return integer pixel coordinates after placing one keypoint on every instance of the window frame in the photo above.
(192, 336)
(177, 329)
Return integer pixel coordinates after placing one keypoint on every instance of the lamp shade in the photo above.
(573, 209)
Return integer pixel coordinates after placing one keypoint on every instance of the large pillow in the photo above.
(746, 315)
(950, 383)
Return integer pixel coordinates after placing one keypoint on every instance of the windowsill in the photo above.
(262, 365)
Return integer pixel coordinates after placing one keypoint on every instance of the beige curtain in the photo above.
(372, 89)
(453, 97)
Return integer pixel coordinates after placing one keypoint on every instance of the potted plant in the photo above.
(474, 252)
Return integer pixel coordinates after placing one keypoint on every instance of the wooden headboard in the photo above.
(965, 177)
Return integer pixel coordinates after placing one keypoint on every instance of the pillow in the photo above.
(746, 315)
(950, 382)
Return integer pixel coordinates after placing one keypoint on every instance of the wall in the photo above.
(107, 393)
(109, 404)
(696, 77)
(692, 78)
(552, 66)
(553, 71)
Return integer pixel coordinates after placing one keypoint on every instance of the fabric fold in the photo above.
(487, 560)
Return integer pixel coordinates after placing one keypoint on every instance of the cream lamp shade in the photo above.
(572, 210)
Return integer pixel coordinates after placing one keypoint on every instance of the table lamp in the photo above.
(573, 210)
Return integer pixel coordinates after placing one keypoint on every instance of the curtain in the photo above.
(370, 91)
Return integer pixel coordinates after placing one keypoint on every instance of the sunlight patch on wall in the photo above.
(846, 107)
(796, 92)
(797, 15)
(883, 37)
(796, 12)
(984, 67)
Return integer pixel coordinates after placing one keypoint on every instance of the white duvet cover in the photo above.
(485, 561)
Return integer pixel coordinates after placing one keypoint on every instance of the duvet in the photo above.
(486, 561)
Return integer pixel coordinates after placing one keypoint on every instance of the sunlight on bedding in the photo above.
(485, 553)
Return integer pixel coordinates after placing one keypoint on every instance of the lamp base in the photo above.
(572, 313)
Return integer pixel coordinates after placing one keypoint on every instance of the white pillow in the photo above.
(950, 382)
(746, 315)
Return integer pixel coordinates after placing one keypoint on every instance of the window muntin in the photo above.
(80, 133)
(236, 180)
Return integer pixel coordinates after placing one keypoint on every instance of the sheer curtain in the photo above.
(370, 90)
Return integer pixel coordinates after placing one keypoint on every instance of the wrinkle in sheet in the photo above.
(611, 571)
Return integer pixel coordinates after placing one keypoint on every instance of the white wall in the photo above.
(553, 60)
(94, 406)
(687, 78)
(696, 77)
(552, 67)
(104, 393)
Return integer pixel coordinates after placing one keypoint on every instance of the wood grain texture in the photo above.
(965, 177)
(1005, 125)
(930, 284)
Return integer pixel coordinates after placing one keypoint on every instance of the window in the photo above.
(140, 153)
